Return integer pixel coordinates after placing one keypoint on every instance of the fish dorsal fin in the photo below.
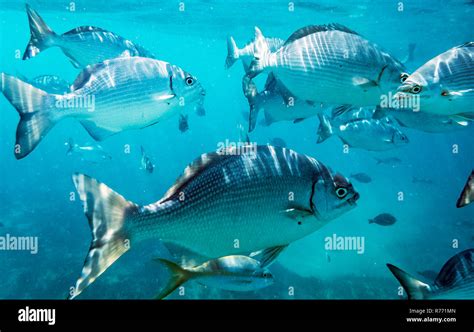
(467, 44)
(85, 28)
(456, 269)
(196, 168)
(310, 29)
(85, 75)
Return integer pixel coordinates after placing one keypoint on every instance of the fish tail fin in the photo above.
(70, 146)
(35, 107)
(252, 95)
(262, 52)
(178, 277)
(325, 128)
(415, 289)
(232, 52)
(42, 37)
(107, 213)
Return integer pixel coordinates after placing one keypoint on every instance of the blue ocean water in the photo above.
(36, 191)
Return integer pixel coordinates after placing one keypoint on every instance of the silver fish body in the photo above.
(226, 203)
(368, 134)
(89, 152)
(445, 84)
(331, 64)
(107, 98)
(234, 273)
(86, 45)
(467, 194)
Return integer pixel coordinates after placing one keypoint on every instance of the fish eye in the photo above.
(341, 192)
(189, 81)
(403, 77)
(416, 89)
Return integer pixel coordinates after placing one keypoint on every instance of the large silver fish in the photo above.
(230, 202)
(276, 102)
(85, 45)
(330, 64)
(234, 273)
(107, 98)
(246, 54)
(426, 122)
(445, 84)
(455, 281)
(467, 194)
(368, 134)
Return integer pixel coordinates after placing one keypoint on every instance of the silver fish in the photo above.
(107, 98)
(89, 152)
(246, 53)
(455, 281)
(361, 177)
(467, 195)
(445, 84)
(146, 163)
(330, 64)
(183, 124)
(368, 134)
(392, 161)
(84, 45)
(426, 122)
(277, 103)
(234, 273)
(253, 187)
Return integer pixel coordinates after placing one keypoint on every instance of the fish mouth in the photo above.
(353, 199)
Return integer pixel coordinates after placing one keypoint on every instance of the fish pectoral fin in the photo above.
(298, 213)
(269, 255)
(363, 82)
(463, 119)
(163, 96)
(97, 133)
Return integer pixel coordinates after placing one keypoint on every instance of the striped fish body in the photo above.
(90, 45)
(239, 204)
(233, 201)
(335, 66)
(445, 84)
(129, 93)
(455, 281)
(86, 45)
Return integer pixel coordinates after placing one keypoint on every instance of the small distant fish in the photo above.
(246, 54)
(444, 85)
(85, 45)
(467, 194)
(50, 83)
(361, 177)
(384, 219)
(388, 161)
(89, 152)
(429, 274)
(183, 123)
(107, 98)
(234, 273)
(276, 141)
(421, 180)
(367, 134)
(146, 163)
(339, 66)
(455, 281)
